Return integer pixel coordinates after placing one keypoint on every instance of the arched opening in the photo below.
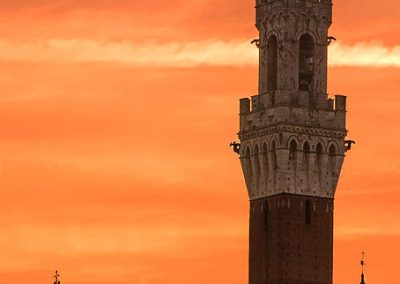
(306, 153)
(255, 164)
(264, 164)
(319, 161)
(293, 151)
(293, 164)
(274, 163)
(306, 64)
(274, 157)
(308, 212)
(272, 66)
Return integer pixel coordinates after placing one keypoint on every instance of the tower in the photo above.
(362, 268)
(292, 146)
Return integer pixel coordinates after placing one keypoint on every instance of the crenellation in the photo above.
(340, 103)
(258, 116)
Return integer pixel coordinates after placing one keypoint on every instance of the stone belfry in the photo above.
(292, 146)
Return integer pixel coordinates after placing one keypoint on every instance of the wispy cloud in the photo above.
(183, 54)
(173, 54)
(364, 54)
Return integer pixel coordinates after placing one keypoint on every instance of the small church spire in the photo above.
(362, 267)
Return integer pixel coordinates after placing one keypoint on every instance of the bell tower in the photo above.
(292, 147)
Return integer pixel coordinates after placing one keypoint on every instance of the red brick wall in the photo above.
(283, 248)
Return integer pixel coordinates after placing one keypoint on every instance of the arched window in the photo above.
(306, 153)
(293, 151)
(308, 212)
(274, 164)
(255, 164)
(319, 161)
(272, 64)
(306, 63)
(274, 157)
(264, 161)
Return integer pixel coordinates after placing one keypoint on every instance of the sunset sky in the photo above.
(115, 121)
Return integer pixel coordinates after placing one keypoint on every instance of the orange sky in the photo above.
(115, 166)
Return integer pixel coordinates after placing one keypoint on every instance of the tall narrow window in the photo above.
(293, 151)
(306, 63)
(274, 157)
(265, 166)
(255, 164)
(306, 152)
(293, 165)
(319, 161)
(308, 212)
(274, 162)
(272, 64)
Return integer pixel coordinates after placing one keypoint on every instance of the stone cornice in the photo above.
(318, 131)
(287, 193)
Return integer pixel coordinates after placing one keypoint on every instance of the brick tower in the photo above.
(292, 146)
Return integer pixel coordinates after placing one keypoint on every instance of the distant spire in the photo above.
(362, 267)
(57, 278)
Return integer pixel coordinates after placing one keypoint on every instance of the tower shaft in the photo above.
(292, 146)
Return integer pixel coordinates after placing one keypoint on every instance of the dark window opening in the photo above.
(265, 166)
(255, 168)
(308, 212)
(272, 65)
(293, 151)
(274, 157)
(306, 63)
(306, 152)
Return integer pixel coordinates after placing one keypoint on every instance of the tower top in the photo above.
(292, 132)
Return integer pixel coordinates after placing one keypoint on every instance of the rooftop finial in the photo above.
(57, 278)
(362, 267)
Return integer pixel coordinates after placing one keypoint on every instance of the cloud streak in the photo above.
(182, 54)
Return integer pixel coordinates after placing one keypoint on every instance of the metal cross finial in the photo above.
(57, 276)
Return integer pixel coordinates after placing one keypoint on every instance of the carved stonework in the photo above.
(295, 112)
